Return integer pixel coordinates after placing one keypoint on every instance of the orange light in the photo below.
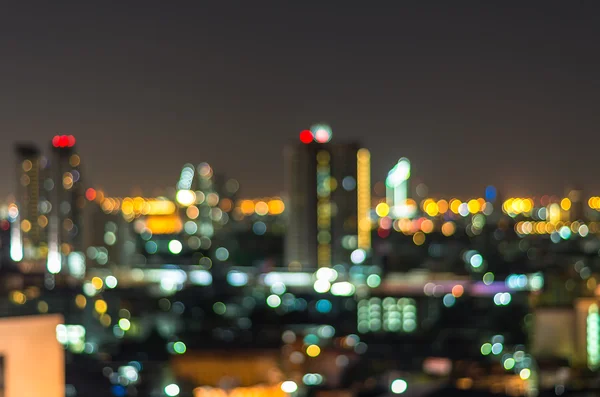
(458, 290)
(247, 207)
(164, 224)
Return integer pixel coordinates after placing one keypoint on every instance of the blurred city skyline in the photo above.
(467, 100)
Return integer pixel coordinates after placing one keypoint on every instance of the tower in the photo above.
(28, 192)
(397, 189)
(322, 199)
(67, 198)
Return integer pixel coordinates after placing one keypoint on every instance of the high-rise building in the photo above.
(397, 190)
(65, 237)
(322, 202)
(28, 192)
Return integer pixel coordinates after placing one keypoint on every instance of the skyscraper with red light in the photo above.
(321, 200)
(67, 200)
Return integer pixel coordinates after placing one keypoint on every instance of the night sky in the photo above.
(473, 94)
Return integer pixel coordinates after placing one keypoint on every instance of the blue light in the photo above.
(323, 306)
(151, 247)
(259, 228)
(490, 193)
(118, 391)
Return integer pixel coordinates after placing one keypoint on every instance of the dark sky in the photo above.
(472, 92)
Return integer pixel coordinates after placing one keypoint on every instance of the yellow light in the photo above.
(474, 206)
(276, 207)
(565, 204)
(454, 204)
(363, 198)
(247, 207)
(18, 297)
(261, 208)
(101, 306)
(419, 238)
(382, 209)
(97, 283)
(160, 207)
(432, 209)
(313, 351)
(425, 203)
(80, 301)
(527, 205)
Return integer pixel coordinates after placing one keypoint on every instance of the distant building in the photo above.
(65, 239)
(322, 199)
(28, 192)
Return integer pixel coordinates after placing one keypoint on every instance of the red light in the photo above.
(63, 141)
(90, 194)
(306, 137)
(383, 233)
(5, 225)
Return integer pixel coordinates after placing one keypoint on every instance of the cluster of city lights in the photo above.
(261, 207)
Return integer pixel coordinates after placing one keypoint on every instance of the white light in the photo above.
(399, 174)
(328, 274)
(322, 286)
(289, 386)
(358, 256)
(175, 246)
(343, 288)
(290, 279)
(525, 373)
(16, 244)
(399, 386)
(273, 301)
(111, 281)
(237, 279)
(200, 277)
(185, 197)
(76, 263)
(53, 263)
(172, 390)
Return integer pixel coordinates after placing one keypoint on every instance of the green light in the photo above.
(509, 364)
(179, 347)
(373, 280)
(486, 349)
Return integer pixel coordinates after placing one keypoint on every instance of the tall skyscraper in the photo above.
(28, 192)
(322, 199)
(65, 239)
